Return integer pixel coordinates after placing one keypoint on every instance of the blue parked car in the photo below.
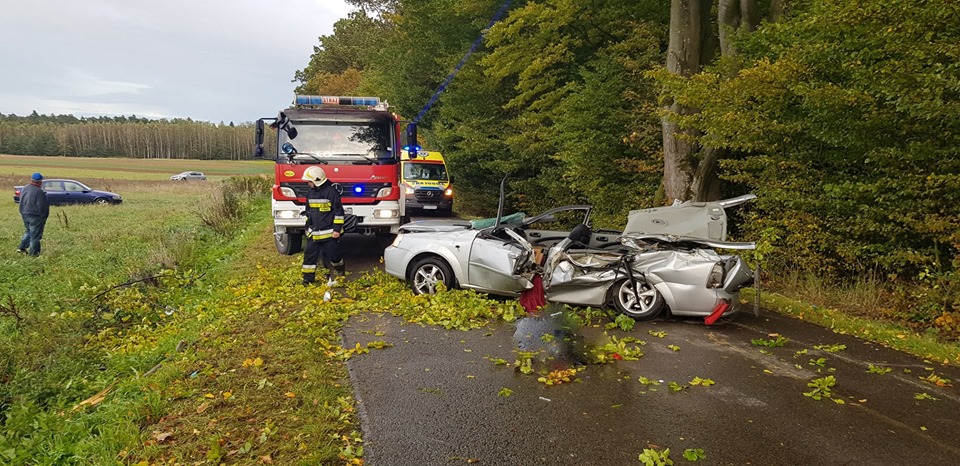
(62, 192)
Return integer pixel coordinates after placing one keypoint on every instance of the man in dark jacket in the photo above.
(324, 225)
(34, 208)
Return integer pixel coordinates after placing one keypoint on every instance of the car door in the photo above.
(75, 193)
(55, 193)
(493, 263)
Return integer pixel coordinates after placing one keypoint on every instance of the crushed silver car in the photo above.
(665, 260)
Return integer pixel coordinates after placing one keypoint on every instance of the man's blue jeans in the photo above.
(31, 239)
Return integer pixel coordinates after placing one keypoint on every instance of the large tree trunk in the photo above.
(686, 53)
(690, 170)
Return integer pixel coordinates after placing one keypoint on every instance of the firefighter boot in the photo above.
(309, 278)
(339, 270)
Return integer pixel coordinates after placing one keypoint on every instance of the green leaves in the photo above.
(652, 457)
(771, 343)
(694, 454)
(822, 388)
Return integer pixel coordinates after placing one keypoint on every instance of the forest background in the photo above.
(843, 118)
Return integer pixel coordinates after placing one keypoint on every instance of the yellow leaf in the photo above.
(258, 362)
(209, 395)
(289, 394)
(227, 395)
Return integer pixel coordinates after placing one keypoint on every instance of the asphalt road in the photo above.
(433, 397)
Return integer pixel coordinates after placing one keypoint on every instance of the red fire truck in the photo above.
(356, 142)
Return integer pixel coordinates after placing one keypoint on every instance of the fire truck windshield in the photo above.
(340, 143)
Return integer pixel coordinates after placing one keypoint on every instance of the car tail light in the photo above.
(715, 280)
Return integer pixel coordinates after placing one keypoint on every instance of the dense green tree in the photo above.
(848, 113)
(340, 58)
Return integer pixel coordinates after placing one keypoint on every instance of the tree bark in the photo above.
(690, 170)
(689, 24)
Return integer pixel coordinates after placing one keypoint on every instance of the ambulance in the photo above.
(427, 186)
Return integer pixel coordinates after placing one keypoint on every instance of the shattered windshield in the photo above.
(413, 171)
(343, 143)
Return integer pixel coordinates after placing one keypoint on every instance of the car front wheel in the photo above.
(100, 200)
(427, 273)
(645, 303)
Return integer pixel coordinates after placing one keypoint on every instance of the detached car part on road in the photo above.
(63, 192)
(665, 260)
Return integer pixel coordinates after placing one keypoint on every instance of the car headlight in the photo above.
(287, 192)
(448, 192)
(116, 197)
(386, 213)
(408, 190)
(286, 214)
(396, 241)
(385, 192)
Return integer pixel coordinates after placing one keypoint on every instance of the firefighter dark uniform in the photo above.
(324, 214)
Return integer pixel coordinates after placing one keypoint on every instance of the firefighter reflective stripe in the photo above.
(321, 234)
(338, 220)
(323, 205)
(309, 268)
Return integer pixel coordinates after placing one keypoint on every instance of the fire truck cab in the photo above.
(355, 141)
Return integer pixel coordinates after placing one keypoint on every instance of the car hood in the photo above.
(420, 226)
(105, 193)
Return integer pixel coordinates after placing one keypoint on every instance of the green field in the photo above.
(167, 330)
(89, 168)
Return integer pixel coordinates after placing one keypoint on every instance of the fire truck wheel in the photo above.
(288, 243)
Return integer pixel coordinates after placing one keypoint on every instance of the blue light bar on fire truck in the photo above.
(337, 100)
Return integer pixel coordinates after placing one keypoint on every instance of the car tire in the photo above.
(648, 306)
(427, 272)
(101, 201)
(288, 243)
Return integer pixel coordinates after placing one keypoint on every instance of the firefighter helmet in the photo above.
(315, 174)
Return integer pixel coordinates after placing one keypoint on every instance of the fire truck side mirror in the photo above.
(258, 140)
(412, 148)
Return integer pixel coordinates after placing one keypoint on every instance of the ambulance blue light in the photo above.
(358, 189)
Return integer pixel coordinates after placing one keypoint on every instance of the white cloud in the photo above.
(212, 60)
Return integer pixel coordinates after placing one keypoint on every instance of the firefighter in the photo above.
(324, 226)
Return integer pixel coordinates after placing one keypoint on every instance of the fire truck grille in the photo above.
(348, 189)
(429, 196)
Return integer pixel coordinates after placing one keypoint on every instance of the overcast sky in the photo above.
(209, 60)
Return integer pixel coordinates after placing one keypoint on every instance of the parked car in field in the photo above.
(189, 176)
(664, 260)
(62, 192)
